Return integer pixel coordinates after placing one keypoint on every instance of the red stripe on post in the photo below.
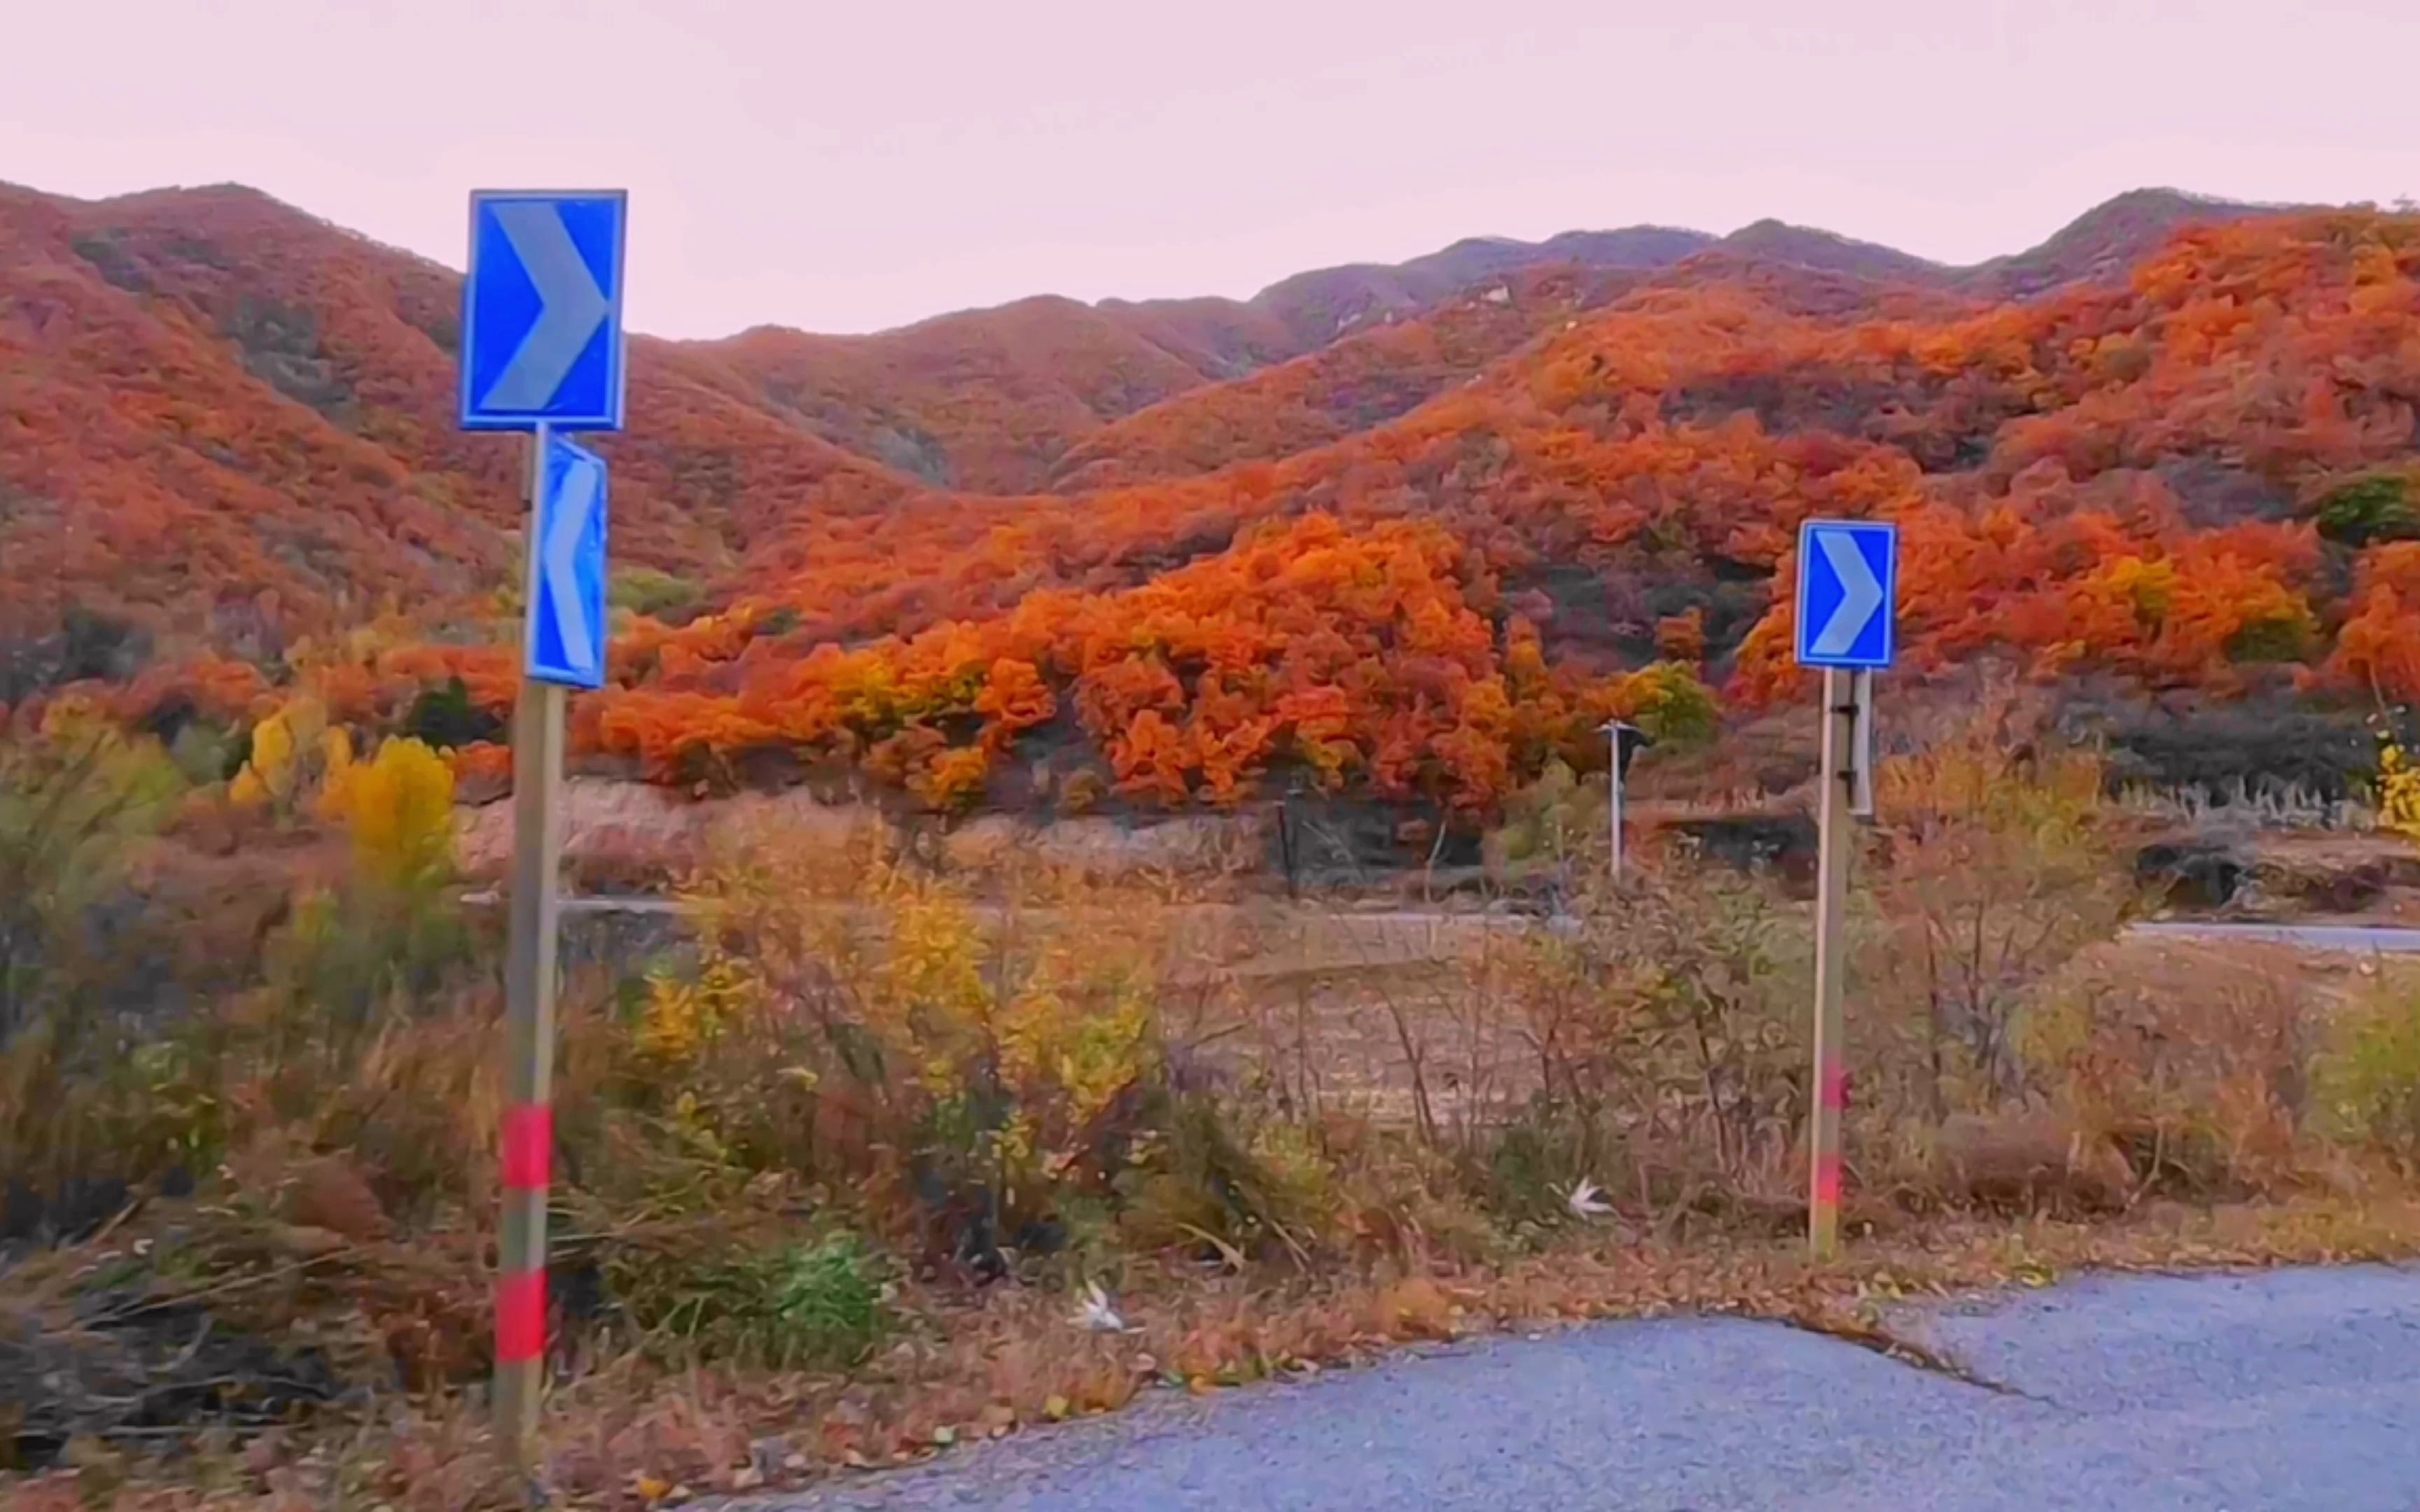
(1834, 1090)
(521, 1318)
(529, 1147)
(1827, 1183)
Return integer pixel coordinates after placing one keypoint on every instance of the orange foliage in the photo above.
(230, 428)
(2379, 647)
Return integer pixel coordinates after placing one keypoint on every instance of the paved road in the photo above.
(2362, 939)
(2280, 1391)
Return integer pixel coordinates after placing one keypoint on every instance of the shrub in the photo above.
(1673, 1014)
(75, 799)
(2375, 508)
(445, 718)
(81, 1100)
(390, 931)
(2371, 1084)
(1999, 869)
(655, 594)
(782, 1305)
(288, 755)
(858, 1024)
(2198, 1067)
(1552, 820)
(2398, 789)
(1668, 701)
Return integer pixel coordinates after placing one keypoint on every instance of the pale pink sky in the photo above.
(847, 166)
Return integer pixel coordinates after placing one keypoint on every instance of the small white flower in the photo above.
(1096, 1314)
(1587, 1201)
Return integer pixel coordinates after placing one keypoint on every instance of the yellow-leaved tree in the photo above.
(293, 751)
(397, 806)
(2399, 789)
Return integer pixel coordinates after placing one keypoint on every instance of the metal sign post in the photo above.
(1861, 755)
(1848, 575)
(1626, 740)
(528, 1136)
(1616, 788)
(542, 351)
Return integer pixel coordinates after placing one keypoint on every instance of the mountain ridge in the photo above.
(888, 395)
(1420, 558)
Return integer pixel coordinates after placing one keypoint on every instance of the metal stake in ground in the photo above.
(542, 352)
(1847, 612)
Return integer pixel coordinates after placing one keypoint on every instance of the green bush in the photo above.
(2371, 1084)
(1676, 708)
(2376, 508)
(654, 593)
(2282, 638)
(786, 1308)
(444, 717)
(1535, 1160)
(76, 798)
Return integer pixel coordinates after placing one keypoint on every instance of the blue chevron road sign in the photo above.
(566, 600)
(1848, 595)
(542, 311)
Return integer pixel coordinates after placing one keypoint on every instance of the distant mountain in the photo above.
(1321, 306)
(1049, 393)
(999, 400)
(987, 400)
(1778, 242)
(2105, 241)
(1365, 378)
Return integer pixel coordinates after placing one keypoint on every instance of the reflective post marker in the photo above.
(528, 1135)
(542, 351)
(1831, 898)
(1847, 612)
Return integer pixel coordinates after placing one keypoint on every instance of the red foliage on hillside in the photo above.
(1415, 563)
(987, 400)
(1374, 655)
(2116, 480)
(1361, 380)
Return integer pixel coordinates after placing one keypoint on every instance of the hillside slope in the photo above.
(230, 475)
(1049, 393)
(2104, 242)
(1363, 380)
(221, 413)
(1375, 375)
(1001, 400)
(2202, 481)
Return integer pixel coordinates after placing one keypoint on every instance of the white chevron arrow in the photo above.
(559, 562)
(570, 306)
(1861, 593)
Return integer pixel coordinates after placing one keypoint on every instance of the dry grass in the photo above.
(830, 1177)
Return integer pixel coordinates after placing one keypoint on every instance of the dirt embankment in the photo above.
(2284, 874)
(622, 835)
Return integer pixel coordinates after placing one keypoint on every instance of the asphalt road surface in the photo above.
(2360, 939)
(2270, 1393)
